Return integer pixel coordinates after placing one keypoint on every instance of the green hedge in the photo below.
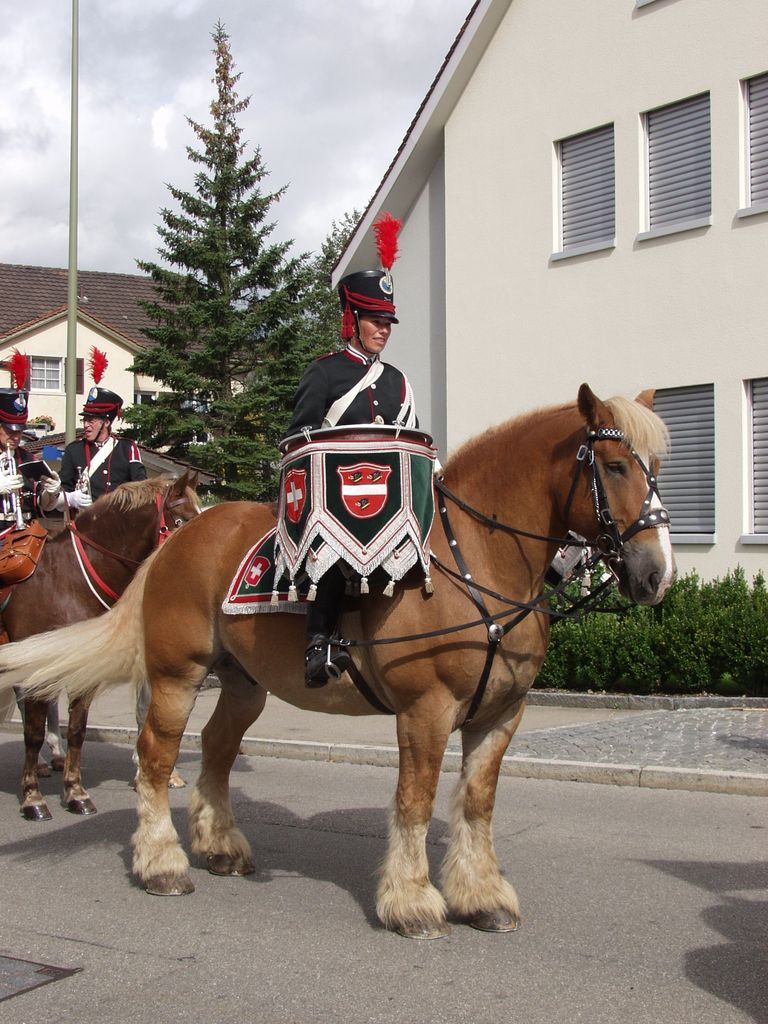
(704, 637)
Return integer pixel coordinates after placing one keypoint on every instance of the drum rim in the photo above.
(335, 433)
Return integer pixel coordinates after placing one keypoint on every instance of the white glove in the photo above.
(50, 484)
(79, 499)
(12, 483)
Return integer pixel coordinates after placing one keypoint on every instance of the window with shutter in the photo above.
(687, 476)
(46, 373)
(759, 406)
(587, 191)
(757, 139)
(679, 164)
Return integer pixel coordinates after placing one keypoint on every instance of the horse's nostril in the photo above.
(653, 581)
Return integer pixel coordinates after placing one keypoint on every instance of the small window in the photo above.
(687, 476)
(757, 140)
(678, 165)
(46, 374)
(587, 191)
(759, 409)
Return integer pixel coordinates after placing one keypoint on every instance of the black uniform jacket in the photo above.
(122, 464)
(332, 376)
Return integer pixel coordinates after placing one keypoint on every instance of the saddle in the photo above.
(20, 552)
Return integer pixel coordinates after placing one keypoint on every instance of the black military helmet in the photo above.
(366, 292)
(102, 402)
(14, 411)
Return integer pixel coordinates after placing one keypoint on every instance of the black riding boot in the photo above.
(323, 662)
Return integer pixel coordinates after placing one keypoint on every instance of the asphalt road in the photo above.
(640, 906)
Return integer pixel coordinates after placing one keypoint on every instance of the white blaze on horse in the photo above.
(587, 467)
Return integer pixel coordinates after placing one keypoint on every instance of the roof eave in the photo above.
(423, 142)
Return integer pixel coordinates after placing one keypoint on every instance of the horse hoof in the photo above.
(222, 864)
(57, 763)
(423, 931)
(43, 771)
(169, 885)
(494, 921)
(176, 781)
(80, 805)
(36, 812)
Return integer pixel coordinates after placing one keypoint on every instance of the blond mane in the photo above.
(643, 429)
(136, 493)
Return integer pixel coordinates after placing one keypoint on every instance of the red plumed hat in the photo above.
(372, 291)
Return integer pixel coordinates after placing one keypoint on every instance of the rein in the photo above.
(607, 545)
(90, 575)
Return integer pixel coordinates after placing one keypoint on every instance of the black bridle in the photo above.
(607, 546)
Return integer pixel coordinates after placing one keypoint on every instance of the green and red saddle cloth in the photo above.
(366, 502)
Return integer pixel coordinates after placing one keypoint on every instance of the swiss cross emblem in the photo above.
(256, 571)
(364, 488)
(295, 490)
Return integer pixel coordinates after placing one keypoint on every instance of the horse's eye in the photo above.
(617, 468)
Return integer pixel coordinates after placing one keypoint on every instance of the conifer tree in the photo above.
(229, 343)
(322, 308)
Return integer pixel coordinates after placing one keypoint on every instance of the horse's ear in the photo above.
(646, 398)
(193, 479)
(592, 409)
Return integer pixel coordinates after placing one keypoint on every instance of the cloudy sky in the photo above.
(334, 85)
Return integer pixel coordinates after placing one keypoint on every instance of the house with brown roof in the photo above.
(33, 320)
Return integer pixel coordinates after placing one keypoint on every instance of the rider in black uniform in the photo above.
(368, 314)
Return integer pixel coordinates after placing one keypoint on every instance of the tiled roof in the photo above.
(29, 294)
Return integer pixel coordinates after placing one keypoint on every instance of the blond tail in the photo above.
(85, 658)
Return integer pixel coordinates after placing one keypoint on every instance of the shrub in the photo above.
(705, 636)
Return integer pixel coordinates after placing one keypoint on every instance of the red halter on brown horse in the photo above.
(81, 573)
(576, 467)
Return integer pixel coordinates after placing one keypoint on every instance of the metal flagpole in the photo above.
(70, 375)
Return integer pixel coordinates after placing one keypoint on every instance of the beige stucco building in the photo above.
(585, 198)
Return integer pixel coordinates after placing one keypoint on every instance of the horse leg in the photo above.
(472, 882)
(74, 796)
(158, 859)
(406, 900)
(211, 821)
(33, 805)
(53, 735)
(143, 698)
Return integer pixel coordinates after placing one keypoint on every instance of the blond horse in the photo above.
(573, 467)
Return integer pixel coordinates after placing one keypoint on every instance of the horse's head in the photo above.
(616, 505)
(180, 503)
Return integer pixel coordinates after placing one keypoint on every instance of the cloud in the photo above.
(333, 88)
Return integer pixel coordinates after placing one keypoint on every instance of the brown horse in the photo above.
(573, 467)
(78, 572)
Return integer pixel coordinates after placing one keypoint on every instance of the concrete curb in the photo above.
(633, 702)
(642, 776)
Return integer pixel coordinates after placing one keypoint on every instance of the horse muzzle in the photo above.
(645, 567)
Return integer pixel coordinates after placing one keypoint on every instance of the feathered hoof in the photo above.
(169, 885)
(43, 771)
(176, 781)
(57, 762)
(79, 805)
(494, 921)
(35, 812)
(223, 864)
(423, 931)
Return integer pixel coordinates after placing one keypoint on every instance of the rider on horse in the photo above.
(100, 461)
(351, 387)
(22, 498)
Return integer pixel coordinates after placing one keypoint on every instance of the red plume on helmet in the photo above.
(97, 364)
(19, 366)
(371, 292)
(386, 230)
